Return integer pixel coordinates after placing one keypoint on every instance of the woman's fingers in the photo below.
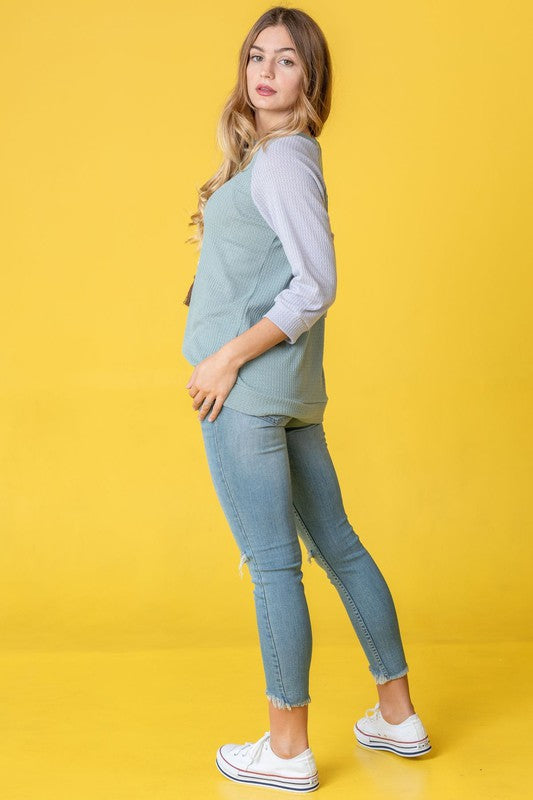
(204, 408)
(217, 384)
(198, 399)
(216, 409)
(191, 380)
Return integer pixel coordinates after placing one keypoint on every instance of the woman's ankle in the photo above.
(288, 749)
(395, 714)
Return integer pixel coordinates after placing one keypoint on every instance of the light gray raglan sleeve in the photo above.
(288, 188)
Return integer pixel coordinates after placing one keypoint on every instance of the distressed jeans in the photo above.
(275, 481)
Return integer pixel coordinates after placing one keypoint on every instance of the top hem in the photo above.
(241, 398)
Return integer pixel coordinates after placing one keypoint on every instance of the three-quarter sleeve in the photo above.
(287, 186)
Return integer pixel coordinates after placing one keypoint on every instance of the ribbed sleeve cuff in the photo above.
(293, 326)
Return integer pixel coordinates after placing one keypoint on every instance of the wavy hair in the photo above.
(236, 132)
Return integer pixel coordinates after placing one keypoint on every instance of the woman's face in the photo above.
(273, 62)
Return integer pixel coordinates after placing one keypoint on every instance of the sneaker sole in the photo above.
(272, 781)
(406, 749)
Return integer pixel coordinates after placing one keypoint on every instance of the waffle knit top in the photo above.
(267, 251)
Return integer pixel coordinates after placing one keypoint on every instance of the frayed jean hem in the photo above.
(278, 703)
(380, 678)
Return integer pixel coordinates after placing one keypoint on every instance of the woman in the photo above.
(255, 336)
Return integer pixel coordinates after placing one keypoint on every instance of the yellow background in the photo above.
(112, 536)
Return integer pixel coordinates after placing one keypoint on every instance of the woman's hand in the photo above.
(211, 381)
(213, 378)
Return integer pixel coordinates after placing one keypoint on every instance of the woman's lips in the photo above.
(265, 91)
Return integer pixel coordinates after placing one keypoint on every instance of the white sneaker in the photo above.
(256, 764)
(407, 738)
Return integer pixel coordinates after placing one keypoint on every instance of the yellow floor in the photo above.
(147, 724)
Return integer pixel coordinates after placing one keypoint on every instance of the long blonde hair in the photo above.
(236, 132)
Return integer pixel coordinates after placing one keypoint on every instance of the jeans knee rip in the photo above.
(277, 703)
(244, 559)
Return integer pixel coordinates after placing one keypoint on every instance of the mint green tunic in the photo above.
(268, 250)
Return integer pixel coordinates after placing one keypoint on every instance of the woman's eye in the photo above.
(256, 55)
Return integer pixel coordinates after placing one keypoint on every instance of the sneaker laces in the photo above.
(254, 748)
(373, 713)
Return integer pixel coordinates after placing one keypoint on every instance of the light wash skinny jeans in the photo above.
(275, 481)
